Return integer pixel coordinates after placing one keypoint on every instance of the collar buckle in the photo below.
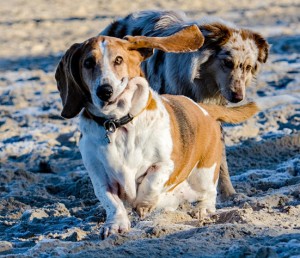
(110, 126)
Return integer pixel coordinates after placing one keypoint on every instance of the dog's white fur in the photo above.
(156, 160)
(130, 162)
(219, 72)
(170, 152)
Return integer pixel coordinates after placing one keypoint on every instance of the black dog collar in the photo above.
(110, 125)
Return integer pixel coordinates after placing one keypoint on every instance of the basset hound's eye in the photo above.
(228, 63)
(89, 63)
(248, 68)
(118, 60)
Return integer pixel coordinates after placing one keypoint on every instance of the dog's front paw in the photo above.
(117, 225)
(143, 209)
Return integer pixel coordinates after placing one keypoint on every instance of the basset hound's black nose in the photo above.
(104, 92)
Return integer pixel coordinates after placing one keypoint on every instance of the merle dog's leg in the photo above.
(226, 189)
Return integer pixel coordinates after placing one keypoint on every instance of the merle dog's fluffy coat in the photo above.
(218, 72)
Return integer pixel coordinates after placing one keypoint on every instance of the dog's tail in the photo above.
(233, 115)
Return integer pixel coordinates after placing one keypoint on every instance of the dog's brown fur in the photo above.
(234, 62)
(216, 75)
(74, 91)
(172, 148)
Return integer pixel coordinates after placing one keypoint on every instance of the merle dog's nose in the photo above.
(236, 97)
(104, 92)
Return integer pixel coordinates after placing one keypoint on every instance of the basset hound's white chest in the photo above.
(132, 150)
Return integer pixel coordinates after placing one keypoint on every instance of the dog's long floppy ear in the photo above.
(216, 34)
(69, 83)
(186, 40)
(263, 47)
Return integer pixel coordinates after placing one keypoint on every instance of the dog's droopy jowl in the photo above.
(162, 150)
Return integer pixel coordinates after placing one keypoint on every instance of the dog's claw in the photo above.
(121, 226)
(104, 232)
(142, 211)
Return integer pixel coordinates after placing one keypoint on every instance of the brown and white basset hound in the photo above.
(151, 151)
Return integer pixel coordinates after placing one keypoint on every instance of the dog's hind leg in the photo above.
(152, 186)
(225, 186)
(204, 181)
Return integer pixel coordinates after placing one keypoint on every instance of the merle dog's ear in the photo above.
(69, 83)
(187, 39)
(263, 47)
(216, 34)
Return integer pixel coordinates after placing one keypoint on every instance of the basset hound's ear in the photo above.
(188, 39)
(69, 83)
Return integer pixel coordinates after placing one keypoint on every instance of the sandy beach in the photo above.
(47, 203)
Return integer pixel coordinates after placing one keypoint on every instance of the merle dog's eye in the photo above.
(118, 60)
(89, 63)
(248, 67)
(228, 63)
